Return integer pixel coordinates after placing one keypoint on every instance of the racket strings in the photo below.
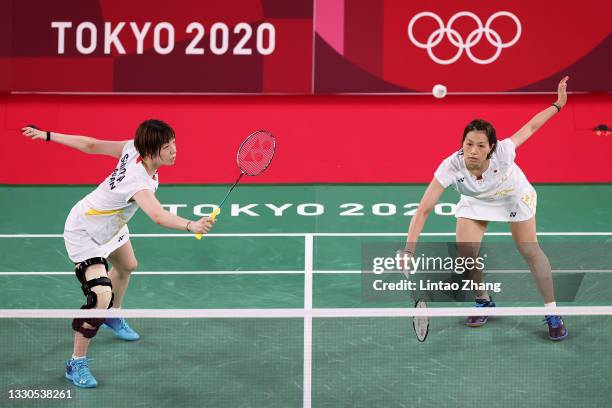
(256, 153)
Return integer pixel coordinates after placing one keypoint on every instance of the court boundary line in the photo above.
(322, 234)
(308, 288)
(294, 272)
(306, 313)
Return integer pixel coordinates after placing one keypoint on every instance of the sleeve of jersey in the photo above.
(137, 185)
(129, 146)
(506, 150)
(136, 180)
(446, 172)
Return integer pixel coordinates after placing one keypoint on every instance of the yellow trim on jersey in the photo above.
(91, 211)
(502, 193)
(530, 199)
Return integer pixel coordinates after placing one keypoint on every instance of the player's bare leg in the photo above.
(526, 240)
(124, 263)
(469, 235)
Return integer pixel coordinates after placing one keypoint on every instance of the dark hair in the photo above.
(151, 135)
(482, 126)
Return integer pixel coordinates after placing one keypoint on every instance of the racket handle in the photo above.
(214, 214)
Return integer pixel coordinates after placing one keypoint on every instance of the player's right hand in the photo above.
(203, 225)
(29, 131)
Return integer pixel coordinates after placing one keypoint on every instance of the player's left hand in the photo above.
(562, 92)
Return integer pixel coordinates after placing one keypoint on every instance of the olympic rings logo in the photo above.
(457, 40)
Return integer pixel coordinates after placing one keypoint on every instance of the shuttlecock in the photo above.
(439, 91)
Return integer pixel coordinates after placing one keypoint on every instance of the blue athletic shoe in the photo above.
(556, 328)
(121, 329)
(78, 372)
(477, 321)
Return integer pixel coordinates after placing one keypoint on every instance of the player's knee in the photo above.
(467, 249)
(131, 265)
(124, 269)
(98, 297)
(530, 251)
(104, 296)
(98, 293)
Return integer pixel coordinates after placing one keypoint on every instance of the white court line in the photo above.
(308, 270)
(307, 372)
(487, 271)
(303, 313)
(315, 272)
(322, 234)
(172, 273)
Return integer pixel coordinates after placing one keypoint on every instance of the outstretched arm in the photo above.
(147, 201)
(84, 144)
(429, 200)
(541, 118)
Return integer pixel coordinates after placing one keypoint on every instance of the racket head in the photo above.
(256, 152)
(420, 324)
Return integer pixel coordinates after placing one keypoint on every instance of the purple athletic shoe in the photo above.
(477, 321)
(556, 329)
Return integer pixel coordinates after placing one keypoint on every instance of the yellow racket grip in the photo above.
(214, 214)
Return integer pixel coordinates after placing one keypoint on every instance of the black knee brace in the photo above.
(92, 297)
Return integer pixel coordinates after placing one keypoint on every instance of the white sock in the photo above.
(551, 304)
(75, 357)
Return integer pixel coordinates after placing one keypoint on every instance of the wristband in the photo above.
(556, 106)
(48, 136)
(187, 227)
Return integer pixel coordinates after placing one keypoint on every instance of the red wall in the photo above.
(338, 139)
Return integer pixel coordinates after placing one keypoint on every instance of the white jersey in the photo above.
(496, 195)
(110, 206)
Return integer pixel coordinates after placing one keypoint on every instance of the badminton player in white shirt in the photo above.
(96, 229)
(493, 188)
